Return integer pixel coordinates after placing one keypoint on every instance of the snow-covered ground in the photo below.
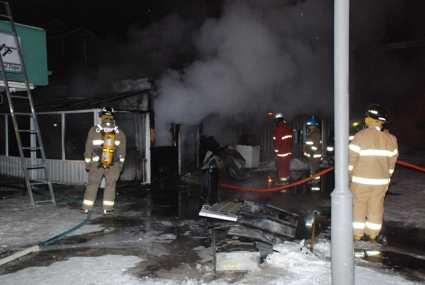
(290, 264)
(407, 205)
(22, 225)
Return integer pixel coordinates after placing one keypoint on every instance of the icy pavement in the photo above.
(290, 265)
(134, 248)
(105, 270)
(23, 225)
(406, 200)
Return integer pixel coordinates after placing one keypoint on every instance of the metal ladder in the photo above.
(36, 175)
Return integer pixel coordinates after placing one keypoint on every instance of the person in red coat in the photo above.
(282, 141)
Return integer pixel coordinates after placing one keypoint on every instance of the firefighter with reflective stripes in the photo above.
(373, 154)
(312, 150)
(282, 141)
(104, 157)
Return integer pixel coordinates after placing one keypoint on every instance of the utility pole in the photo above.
(341, 227)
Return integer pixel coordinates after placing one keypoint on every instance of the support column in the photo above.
(341, 227)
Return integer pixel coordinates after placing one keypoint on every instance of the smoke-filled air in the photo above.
(259, 56)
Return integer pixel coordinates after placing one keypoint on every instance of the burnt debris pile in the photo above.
(244, 232)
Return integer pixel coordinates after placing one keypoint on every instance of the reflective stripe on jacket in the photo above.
(373, 155)
(313, 145)
(282, 140)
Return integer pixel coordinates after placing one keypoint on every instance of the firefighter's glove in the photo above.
(88, 161)
(121, 162)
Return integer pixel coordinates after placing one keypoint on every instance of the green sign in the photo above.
(33, 44)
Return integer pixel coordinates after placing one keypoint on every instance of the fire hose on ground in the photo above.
(305, 180)
(411, 165)
(45, 243)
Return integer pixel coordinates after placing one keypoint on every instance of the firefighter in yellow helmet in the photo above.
(104, 157)
(373, 154)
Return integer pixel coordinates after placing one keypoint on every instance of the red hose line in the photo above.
(278, 188)
(304, 180)
(410, 165)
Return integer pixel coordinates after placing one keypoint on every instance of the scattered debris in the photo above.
(247, 233)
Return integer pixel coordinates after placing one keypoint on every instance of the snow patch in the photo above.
(291, 264)
(238, 261)
(166, 238)
(21, 225)
(104, 270)
(406, 205)
(204, 253)
(322, 248)
(298, 266)
(299, 262)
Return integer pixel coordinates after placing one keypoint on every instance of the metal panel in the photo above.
(60, 171)
(67, 171)
(3, 136)
(6, 129)
(147, 166)
(11, 166)
(188, 148)
(266, 143)
(73, 171)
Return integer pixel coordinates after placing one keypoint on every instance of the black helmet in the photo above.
(377, 112)
(107, 111)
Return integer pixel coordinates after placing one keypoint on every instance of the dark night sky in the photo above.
(372, 24)
(110, 24)
(404, 19)
(106, 17)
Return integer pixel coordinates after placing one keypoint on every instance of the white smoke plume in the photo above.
(259, 56)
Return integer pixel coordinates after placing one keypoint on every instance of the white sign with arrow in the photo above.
(9, 53)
